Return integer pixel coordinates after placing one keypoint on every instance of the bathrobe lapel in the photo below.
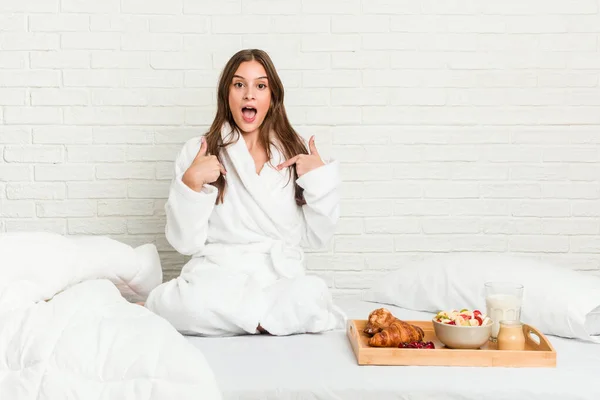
(266, 189)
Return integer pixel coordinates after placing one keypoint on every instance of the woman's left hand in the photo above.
(304, 162)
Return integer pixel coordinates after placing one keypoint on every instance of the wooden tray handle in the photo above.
(352, 330)
(529, 330)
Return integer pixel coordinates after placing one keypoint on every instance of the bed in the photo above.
(323, 366)
(67, 330)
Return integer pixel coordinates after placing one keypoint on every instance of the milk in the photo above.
(502, 307)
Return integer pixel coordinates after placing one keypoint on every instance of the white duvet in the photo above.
(67, 332)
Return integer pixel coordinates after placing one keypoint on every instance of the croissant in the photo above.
(396, 333)
(378, 320)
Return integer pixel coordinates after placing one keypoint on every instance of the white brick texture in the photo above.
(460, 125)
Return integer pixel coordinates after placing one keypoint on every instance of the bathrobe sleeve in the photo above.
(322, 209)
(188, 211)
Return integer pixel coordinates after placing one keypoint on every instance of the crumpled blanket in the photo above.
(67, 331)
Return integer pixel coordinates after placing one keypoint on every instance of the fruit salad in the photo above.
(463, 317)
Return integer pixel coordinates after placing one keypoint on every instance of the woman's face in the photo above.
(249, 96)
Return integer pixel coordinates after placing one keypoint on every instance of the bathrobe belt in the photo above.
(287, 260)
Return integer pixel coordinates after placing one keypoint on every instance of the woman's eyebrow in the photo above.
(241, 77)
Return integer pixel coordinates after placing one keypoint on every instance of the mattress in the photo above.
(323, 366)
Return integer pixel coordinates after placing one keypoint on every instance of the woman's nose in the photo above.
(249, 94)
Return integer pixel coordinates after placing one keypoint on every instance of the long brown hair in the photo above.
(276, 121)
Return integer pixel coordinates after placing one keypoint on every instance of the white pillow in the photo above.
(44, 263)
(556, 300)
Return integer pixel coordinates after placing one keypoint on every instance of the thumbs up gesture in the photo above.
(205, 169)
(304, 162)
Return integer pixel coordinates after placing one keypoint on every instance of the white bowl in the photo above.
(462, 337)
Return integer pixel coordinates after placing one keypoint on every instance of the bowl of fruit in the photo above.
(462, 329)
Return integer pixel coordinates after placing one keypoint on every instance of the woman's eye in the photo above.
(262, 86)
(238, 84)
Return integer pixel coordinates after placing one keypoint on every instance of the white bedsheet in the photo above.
(323, 366)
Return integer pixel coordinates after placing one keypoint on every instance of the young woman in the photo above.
(244, 201)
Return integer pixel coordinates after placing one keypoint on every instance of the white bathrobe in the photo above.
(248, 264)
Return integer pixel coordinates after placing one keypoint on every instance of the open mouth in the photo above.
(249, 114)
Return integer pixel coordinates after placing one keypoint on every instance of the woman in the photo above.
(244, 200)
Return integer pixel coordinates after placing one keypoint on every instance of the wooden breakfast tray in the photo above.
(540, 354)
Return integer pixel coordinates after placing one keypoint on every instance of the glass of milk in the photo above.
(503, 301)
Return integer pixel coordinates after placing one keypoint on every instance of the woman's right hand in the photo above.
(205, 169)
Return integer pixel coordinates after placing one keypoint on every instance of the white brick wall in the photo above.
(461, 125)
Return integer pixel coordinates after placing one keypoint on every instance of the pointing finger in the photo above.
(312, 146)
(203, 148)
(289, 162)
